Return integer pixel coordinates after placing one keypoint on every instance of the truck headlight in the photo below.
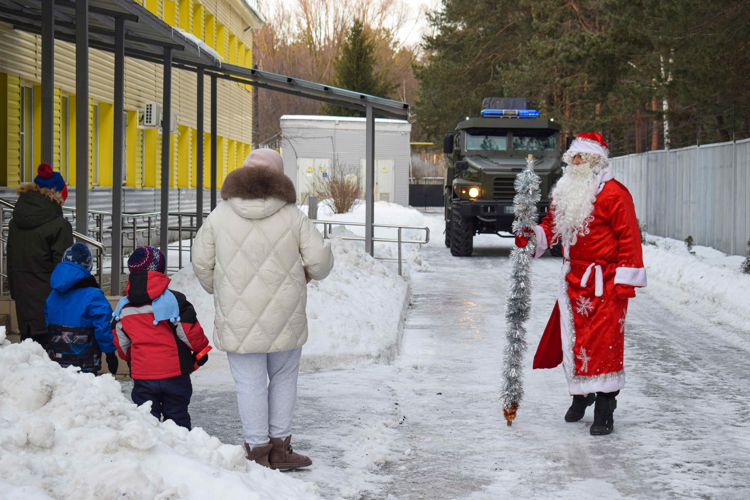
(473, 192)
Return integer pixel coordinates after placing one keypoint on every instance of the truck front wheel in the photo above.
(447, 234)
(461, 233)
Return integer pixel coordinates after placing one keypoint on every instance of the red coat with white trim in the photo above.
(161, 350)
(586, 329)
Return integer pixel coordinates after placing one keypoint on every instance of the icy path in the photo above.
(430, 426)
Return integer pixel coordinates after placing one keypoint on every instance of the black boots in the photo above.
(578, 409)
(603, 413)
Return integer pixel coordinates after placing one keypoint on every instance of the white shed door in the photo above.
(309, 172)
(384, 179)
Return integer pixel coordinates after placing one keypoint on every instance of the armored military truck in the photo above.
(483, 156)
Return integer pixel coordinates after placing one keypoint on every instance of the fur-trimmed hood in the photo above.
(257, 192)
(257, 183)
(36, 206)
(49, 193)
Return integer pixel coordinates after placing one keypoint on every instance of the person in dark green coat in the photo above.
(38, 236)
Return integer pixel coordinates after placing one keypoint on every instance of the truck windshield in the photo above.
(533, 140)
(490, 141)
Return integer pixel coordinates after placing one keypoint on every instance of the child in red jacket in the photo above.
(157, 332)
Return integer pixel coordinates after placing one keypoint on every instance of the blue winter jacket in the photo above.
(78, 318)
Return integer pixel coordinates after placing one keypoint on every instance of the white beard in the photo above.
(573, 201)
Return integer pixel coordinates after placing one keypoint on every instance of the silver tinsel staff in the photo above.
(518, 304)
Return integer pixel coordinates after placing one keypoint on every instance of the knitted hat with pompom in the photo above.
(49, 179)
(147, 259)
(79, 254)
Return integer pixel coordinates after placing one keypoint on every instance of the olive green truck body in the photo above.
(483, 156)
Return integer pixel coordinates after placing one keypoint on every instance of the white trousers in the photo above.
(266, 393)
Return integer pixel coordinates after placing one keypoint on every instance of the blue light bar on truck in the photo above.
(510, 113)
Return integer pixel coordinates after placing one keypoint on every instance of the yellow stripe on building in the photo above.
(217, 22)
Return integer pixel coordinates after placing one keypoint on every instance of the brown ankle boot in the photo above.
(259, 454)
(282, 456)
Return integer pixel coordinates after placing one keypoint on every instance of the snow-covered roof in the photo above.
(200, 43)
(326, 118)
(251, 7)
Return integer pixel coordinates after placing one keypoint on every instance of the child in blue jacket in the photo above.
(78, 315)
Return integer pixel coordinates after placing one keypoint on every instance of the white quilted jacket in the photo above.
(252, 254)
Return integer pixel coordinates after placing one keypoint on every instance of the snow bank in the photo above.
(355, 316)
(710, 282)
(65, 434)
(385, 213)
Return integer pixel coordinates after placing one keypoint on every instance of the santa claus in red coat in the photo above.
(593, 216)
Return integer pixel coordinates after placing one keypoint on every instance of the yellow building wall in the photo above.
(171, 13)
(173, 160)
(13, 144)
(221, 161)
(153, 6)
(194, 157)
(185, 157)
(4, 118)
(106, 143)
(198, 22)
(231, 155)
(240, 54)
(72, 134)
(186, 15)
(139, 169)
(232, 49)
(57, 132)
(221, 40)
(37, 129)
(216, 21)
(133, 148)
(152, 174)
(92, 145)
(209, 29)
(206, 160)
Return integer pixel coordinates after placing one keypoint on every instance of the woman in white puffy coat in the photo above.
(256, 253)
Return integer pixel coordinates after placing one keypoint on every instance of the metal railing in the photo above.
(144, 224)
(191, 229)
(4, 205)
(328, 224)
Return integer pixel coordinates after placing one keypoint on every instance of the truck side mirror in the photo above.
(461, 165)
(568, 142)
(448, 144)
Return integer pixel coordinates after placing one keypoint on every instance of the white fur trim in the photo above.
(541, 241)
(633, 276)
(606, 175)
(578, 384)
(599, 279)
(589, 146)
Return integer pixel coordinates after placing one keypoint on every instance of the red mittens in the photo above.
(624, 291)
(523, 240)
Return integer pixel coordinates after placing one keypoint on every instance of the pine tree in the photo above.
(593, 65)
(355, 69)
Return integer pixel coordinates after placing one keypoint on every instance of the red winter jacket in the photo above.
(162, 350)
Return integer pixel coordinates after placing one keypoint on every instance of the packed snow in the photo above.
(426, 423)
(708, 281)
(65, 434)
(355, 315)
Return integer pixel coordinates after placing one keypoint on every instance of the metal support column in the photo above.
(82, 110)
(48, 82)
(369, 178)
(199, 160)
(213, 140)
(118, 149)
(165, 152)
